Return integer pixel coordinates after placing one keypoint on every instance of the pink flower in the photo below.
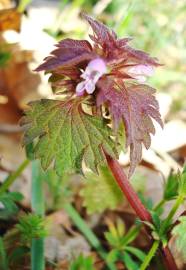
(94, 70)
(141, 72)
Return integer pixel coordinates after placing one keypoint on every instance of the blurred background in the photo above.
(28, 31)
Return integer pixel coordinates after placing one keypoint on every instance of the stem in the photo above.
(12, 177)
(37, 201)
(128, 190)
(37, 254)
(168, 259)
(136, 204)
(150, 255)
(174, 209)
(159, 205)
(87, 232)
(3, 256)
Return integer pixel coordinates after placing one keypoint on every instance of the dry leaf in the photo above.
(5, 4)
(10, 19)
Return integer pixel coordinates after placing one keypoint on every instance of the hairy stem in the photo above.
(87, 232)
(128, 190)
(13, 176)
(37, 201)
(150, 255)
(136, 204)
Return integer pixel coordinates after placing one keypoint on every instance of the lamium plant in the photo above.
(100, 91)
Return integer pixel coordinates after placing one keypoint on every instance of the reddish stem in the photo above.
(168, 259)
(136, 204)
(127, 189)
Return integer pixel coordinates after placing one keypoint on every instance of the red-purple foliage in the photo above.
(126, 99)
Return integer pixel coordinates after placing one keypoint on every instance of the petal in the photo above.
(140, 79)
(80, 88)
(86, 74)
(90, 87)
(96, 77)
(99, 65)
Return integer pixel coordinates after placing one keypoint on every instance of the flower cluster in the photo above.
(113, 74)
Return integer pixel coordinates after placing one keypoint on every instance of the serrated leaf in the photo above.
(102, 34)
(69, 52)
(66, 136)
(100, 192)
(179, 231)
(135, 105)
(114, 47)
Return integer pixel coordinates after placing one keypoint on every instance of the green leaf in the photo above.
(129, 263)
(182, 185)
(67, 135)
(130, 235)
(4, 58)
(136, 252)
(100, 192)
(113, 241)
(156, 220)
(171, 187)
(113, 255)
(179, 231)
(8, 201)
(82, 263)
(31, 226)
(16, 196)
